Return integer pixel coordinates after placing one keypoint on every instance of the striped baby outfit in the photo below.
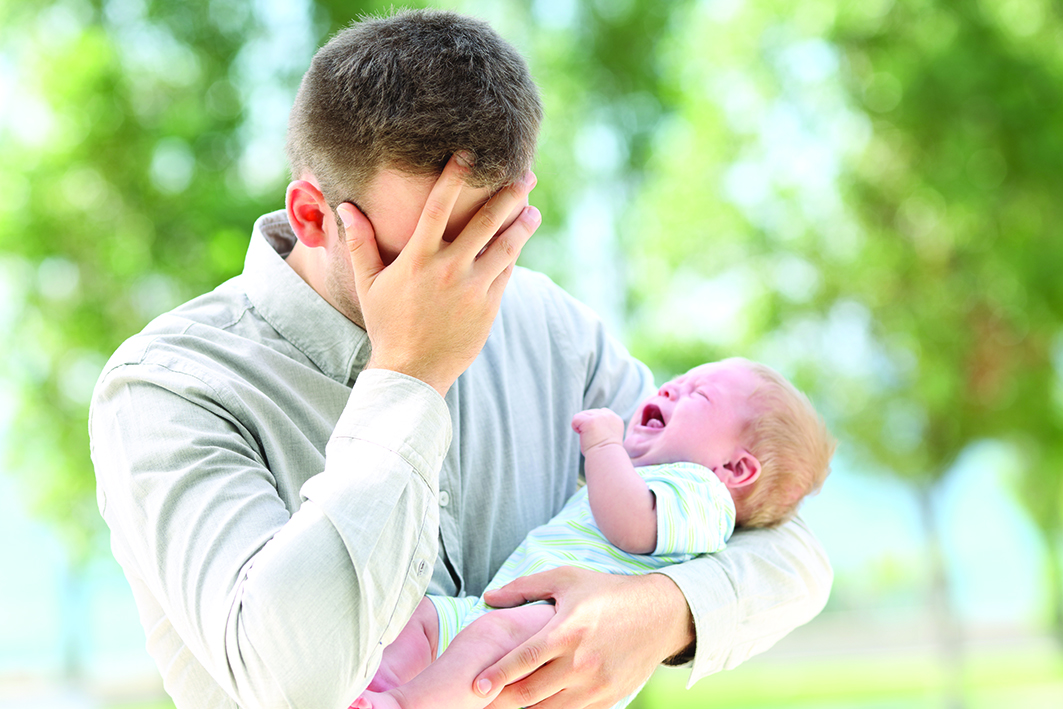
(695, 515)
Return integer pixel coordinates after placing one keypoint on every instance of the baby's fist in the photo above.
(598, 427)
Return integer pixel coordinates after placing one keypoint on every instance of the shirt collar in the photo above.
(336, 345)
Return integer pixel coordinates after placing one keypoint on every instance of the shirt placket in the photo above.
(450, 531)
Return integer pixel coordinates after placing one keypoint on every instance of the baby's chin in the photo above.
(644, 449)
(634, 449)
(643, 454)
(641, 459)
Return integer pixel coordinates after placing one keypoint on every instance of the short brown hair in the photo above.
(791, 441)
(405, 92)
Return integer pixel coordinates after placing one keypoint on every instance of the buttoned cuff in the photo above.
(401, 414)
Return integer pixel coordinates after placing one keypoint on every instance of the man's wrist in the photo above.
(412, 369)
(677, 620)
(396, 412)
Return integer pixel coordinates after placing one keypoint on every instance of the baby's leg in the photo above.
(448, 680)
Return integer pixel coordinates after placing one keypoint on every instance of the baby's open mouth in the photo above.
(651, 417)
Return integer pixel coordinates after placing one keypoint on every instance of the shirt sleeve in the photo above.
(695, 512)
(746, 597)
(283, 610)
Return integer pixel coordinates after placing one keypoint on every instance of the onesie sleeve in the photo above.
(695, 512)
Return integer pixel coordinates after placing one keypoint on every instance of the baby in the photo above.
(727, 444)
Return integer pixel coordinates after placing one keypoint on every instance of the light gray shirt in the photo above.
(279, 512)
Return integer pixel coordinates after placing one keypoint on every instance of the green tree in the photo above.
(127, 199)
(865, 194)
(957, 193)
(136, 160)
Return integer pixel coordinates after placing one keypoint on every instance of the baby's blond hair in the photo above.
(791, 441)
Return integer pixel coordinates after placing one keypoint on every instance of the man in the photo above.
(378, 406)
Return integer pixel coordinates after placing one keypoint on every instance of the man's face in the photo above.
(393, 203)
(698, 417)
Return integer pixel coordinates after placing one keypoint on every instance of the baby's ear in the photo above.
(743, 470)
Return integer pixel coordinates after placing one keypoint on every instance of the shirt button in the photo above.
(422, 567)
(444, 498)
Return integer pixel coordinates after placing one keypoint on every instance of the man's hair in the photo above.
(791, 441)
(405, 92)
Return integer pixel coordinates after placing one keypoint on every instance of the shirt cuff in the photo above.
(401, 414)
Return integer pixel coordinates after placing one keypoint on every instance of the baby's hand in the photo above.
(598, 427)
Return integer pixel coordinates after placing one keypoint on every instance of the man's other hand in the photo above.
(607, 636)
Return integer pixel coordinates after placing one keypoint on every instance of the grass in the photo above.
(990, 680)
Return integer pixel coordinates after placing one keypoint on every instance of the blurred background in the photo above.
(859, 193)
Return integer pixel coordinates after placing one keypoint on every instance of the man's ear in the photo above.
(309, 213)
(743, 470)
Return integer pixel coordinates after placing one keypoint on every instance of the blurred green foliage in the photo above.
(957, 194)
(864, 194)
(121, 152)
(871, 189)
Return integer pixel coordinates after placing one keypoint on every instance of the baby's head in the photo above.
(791, 441)
(745, 422)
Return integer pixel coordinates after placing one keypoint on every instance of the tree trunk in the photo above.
(949, 639)
(1055, 583)
(73, 612)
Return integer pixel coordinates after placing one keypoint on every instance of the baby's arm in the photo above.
(624, 508)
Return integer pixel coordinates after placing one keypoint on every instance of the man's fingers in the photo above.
(432, 223)
(516, 593)
(490, 218)
(513, 669)
(501, 254)
(542, 586)
(361, 242)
